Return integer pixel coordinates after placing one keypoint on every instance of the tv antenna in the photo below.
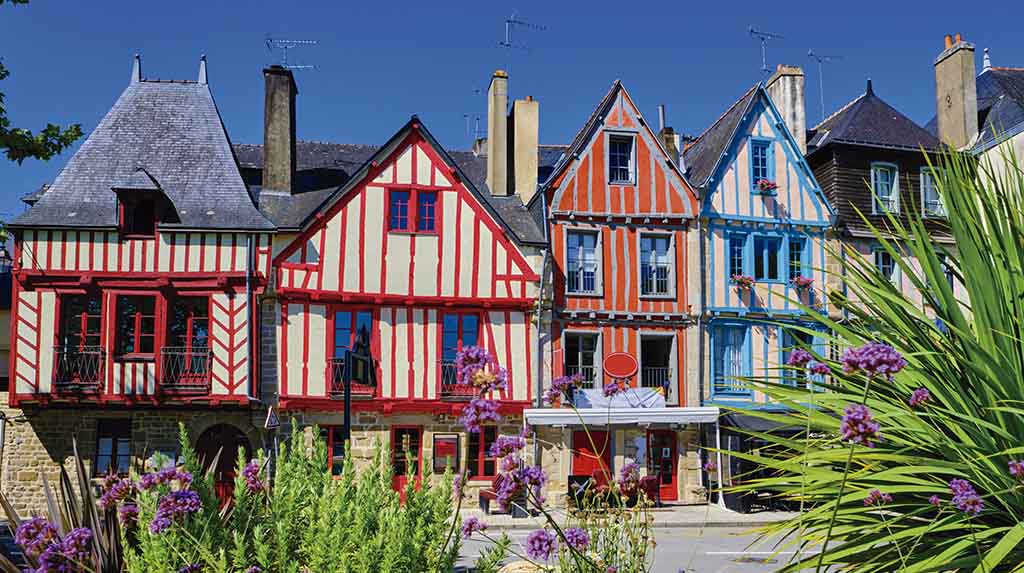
(822, 59)
(764, 37)
(510, 23)
(283, 46)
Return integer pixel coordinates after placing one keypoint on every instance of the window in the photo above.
(655, 265)
(947, 270)
(189, 324)
(138, 217)
(348, 326)
(481, 464)
(930, 198)
(620, 159)
(737, 244)
(766, 258)
(885, 264)
(459, 331)
(730, 359)
(796, 257)
(412, 210)
(446, 453)
(334, 439)
(760, 161)
(791, 340)
(79, 322)
(581, 355)
(113, 446)
(136, 321)
(885, 185)
(581, 262)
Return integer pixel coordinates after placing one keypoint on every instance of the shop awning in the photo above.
(619, 416)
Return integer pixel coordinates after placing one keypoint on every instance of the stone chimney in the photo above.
(956, 93)
(497, 134)
(786, 88)
(279, 129)
(668, 136)
(524, 124)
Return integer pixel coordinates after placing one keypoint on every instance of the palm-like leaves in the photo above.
(969, 355)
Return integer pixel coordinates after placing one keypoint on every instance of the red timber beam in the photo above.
(493, 303)
(396, 406)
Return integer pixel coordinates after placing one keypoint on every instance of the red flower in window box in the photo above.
(743, 281)
(766, 186)
(801, 282)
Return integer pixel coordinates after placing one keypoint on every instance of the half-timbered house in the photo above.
(620, 220)
(135, 276)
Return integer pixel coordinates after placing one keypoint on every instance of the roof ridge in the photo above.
(839, 111)
(721, 117)
(1008, 68)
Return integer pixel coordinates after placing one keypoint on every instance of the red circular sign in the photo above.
(620, 365)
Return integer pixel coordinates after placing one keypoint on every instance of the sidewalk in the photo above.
(664, 517)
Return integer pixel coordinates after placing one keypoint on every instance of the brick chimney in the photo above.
(668, 137)
(497, 134)
(956, 93)
(786, 88)
(524, 124)
(279, 129)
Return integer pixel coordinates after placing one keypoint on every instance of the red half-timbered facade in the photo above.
(410, 251)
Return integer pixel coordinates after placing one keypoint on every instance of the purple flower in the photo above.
(919, 397)
(35, 535)
(876, 496)
(251, 473)
(53, 560)
(508, 490)
(1016, 468)
(859, 427)
(710, 466)
(173, 506)
(612, 569)
(799, 357)
(965, 498)
(191, 568)
(541, 544)
(815, 367)
(934, 500)
(562, 387)
(506, 445)
(117, 492)
(577, 538)
(471, 526)
(254, 569)
(510, 464)
(477, 412)
(457, 483)
(873, 359)
(129, 514)
(469, 361)
(612, 389)
(629, 476)
(166, 475)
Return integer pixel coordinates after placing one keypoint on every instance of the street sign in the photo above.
(272, 422)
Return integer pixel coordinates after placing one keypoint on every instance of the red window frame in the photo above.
(65, 320)
(136, 332)
(333, 439)
(486, 466)
(190, 320)
(134, 222)
(461, 330)
(414, 219)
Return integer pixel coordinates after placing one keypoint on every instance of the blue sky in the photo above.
(379, 62)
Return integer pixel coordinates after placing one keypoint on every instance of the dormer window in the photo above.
(412, 211)
(138, 217)
(620, 159)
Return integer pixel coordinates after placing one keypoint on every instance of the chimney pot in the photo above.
(202, 69)
(136, 70)
(958, 40)
(948, 43)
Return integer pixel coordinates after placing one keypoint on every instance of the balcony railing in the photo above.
(450, 387)
(336, 378)
(79, 369)
(655, 377)
(185, 370)
(589, 374)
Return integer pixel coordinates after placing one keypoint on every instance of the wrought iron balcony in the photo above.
(79, 369)
(336, 379)
(451, 389)
(655, 377)
(589, 374)
(185, 370)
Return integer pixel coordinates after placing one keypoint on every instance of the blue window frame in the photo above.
(791, 340)
(737, 246)
(885, 178)
(797, 250)
(655, 265)
(731, 360)
(581, 262)
(766, 258)
(884, 263)
(761, 162)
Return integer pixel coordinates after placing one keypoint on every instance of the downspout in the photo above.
(538, 397)
(248, 314)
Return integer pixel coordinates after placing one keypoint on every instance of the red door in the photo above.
(406, 443)
(662, 462)
(592, 455)
(222, 441)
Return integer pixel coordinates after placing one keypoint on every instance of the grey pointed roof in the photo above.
(704, 153)
(868, 120)
(172, 131)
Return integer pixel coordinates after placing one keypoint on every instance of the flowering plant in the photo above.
(801, 282)
(742, 281)
(766, 185)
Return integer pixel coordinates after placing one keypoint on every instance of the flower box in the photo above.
(766, 187)
(801, 282)
(742, 281)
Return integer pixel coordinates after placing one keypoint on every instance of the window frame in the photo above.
(877, 207)
(803, 242)
(777, 239)
(190, 321)
(596, 334)
(598, 267)
(460, 331)
(734, 389)
(482, 454)
(83, 320)
(670, 287)
(791, 376)
(612, 137)
(136, 353)
(118, 430)
(740, 238)
(412, 219)
(878, 251)
(334, 311)
(125, 216)
(769, 146)
(929, 174)
(335, 463)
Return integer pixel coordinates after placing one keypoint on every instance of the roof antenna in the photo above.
(508, 43)
(285, 45)
(764, 37)
(821, 59)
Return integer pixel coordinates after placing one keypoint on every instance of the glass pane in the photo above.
(450, 337)
(473, 462)
(446, 453)
(772, 258)
(426, 202)
(399, 207)
(470, 330)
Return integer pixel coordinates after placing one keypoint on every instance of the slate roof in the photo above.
(1000, 106)
(704, 153)
(869, 121)
(174, 132)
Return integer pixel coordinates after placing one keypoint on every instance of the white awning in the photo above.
(620, 416)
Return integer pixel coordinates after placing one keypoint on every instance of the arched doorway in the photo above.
(226, 439)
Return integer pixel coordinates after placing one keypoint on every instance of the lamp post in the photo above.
(360, 368)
